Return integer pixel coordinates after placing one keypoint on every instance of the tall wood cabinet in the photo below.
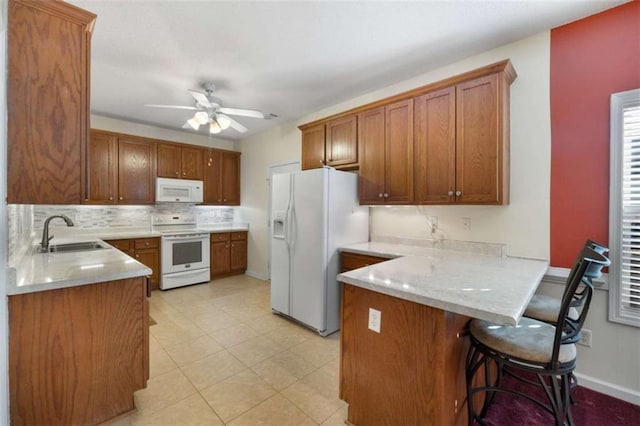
(222, 177)
(180, 161)
(47, 101)
(121, 169)
(334, 143)
(386, 154)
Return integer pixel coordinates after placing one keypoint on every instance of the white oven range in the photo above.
(185, 251)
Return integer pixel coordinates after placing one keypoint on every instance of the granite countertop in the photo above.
(49, 271)
(489, 287)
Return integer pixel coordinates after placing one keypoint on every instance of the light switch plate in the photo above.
(375, 318)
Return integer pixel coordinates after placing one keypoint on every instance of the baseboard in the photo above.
(256, 275)
(625, 394)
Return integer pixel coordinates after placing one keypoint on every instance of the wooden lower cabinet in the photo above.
(410, 373)
(145, 251)
(351, 261)
(228, 253)
(77, 355)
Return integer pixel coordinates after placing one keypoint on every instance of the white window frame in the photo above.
(617, 311)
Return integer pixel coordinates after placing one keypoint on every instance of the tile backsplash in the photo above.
(25, 220)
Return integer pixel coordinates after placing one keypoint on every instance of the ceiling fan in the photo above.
(209, 110)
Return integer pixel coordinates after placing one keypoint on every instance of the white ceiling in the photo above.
(290, 58)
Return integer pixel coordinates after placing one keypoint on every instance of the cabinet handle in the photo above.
(450, 193)
(137, 256)
(219, 200)
(110, 198)
(184, 173)
(225, 200)
(458, 193)
(177, 173)
(121, 198)
(380, 195)
(146, 244)
(386, 195)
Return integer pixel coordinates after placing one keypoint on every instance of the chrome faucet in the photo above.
(44, 244)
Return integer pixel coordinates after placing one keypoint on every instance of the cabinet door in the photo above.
(479, 142)
(47, 102)
(192, 161)
(435, 147)
(230, 174)
(168, 160)
(136, 170)
(150, 257)
(102, 168)
(313, 155)
(399, 153)
(371, 153)
(212, 182)
(220, 258)
(238, 255)
(342, 141)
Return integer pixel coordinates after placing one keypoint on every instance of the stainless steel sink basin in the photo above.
(83, 246)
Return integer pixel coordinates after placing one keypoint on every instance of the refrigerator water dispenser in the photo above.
(279, 218)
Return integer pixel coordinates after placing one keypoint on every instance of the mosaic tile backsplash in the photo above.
(24, 220)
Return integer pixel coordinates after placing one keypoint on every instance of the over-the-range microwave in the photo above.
(178, 190)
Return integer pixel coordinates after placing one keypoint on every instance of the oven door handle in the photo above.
(193, 237)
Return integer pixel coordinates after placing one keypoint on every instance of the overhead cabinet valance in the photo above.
(444, 143)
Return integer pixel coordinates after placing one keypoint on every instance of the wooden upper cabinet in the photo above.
(386, 154)
(180, 162)
(313, 149)
(399, 153)
(333, 143)
(221, 177)
(47, 101)
(481, 142)
(102, 168)
(136, 170)
(435, 147)
(230, 173)
(372, 160)
(341, 144)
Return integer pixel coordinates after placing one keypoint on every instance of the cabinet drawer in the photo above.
(122, 245)
(238, 236)
(142, 243)
(223, 236)
(351, 261)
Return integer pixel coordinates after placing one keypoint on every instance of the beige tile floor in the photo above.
(219, 356)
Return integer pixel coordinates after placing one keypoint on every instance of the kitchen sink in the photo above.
(83, 246)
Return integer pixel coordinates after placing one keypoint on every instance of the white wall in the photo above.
(137, 129)
(523, 225)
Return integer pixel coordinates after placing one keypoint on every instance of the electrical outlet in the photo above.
(466, 223)
(375, 318)
(585, 338)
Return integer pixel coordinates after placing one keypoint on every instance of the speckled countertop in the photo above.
(477, 285)
(49, 271)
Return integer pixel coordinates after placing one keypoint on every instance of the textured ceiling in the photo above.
(290, 58)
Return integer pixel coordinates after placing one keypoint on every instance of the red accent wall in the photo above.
(590, 59)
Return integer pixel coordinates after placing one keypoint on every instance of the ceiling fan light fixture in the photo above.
(193, 123)
(201, 117)
(214, 127)
(223, 121)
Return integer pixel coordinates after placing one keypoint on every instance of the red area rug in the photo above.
(592, 409)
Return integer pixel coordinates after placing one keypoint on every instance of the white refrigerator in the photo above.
(313, 213)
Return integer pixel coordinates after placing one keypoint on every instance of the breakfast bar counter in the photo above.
(410, 368)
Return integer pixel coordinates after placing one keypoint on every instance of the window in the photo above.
(624, 209)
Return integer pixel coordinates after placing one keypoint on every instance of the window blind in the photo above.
(624, 209)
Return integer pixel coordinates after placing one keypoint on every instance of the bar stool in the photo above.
(533, 348)
(545, 308)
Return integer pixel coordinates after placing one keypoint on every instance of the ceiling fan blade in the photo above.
(191, 124)
(172, 106)
(201, 98)
(237, 126)
(242, 112)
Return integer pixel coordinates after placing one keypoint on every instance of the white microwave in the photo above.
(178, 190)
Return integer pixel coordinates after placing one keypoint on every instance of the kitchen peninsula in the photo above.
(411, 371)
